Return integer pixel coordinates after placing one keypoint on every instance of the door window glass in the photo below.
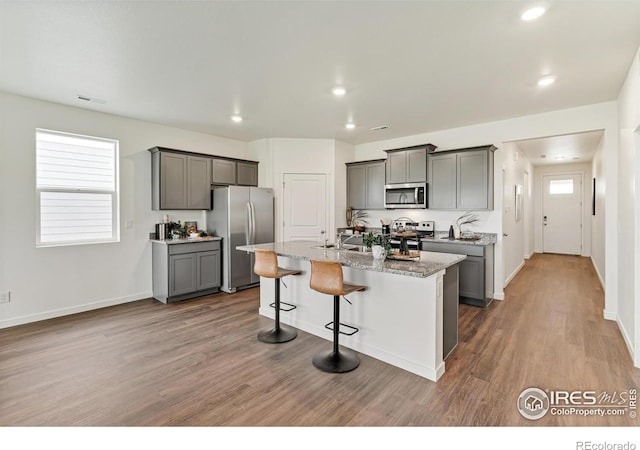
(560, 187)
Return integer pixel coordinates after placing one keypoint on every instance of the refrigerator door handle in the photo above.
(253, 224)
(247, 227)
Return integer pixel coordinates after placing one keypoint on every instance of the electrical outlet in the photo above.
(129, 224)
(152, 235)
(5, 297)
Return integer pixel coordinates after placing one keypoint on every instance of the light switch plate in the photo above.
(5, 297)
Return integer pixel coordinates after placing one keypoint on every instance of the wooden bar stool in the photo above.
(266, 265)
(326, 277)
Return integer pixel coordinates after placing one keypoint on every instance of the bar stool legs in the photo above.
(336, 360)
(279, 333)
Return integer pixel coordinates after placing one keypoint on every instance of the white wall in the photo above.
(628, 218)
(597, 221)
(514, 164)
(560, 169)
(573, 120)
(48, 282)
(278, 156)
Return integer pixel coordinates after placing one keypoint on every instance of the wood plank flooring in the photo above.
(199, 363)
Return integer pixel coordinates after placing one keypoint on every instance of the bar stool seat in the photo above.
(266, 265)
(327, 278)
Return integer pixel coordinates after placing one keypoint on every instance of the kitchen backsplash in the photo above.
(486, 219)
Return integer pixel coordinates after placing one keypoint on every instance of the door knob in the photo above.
(505, 235)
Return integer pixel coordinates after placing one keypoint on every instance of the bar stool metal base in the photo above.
(342, 361)
(277, 335)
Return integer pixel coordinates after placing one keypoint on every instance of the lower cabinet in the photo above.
(182, 271)
(475, 272)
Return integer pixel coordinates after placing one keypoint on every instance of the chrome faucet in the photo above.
(340, 243)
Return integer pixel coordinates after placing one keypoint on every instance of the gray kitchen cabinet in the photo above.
(182, 274)
(223, 171)
(179, 180)
(461, 179)
(475, 272)
(198, 182)
(442, 181)
(356, 186)
(472, 277)
(182, 271)
(247, 173)
(365, 184)
(407, 165)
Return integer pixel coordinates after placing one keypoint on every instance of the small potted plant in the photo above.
(357, 220)
(378, 243)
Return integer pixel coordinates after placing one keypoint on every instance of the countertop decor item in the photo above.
(357, 219)
(467, 218)
(371, 240)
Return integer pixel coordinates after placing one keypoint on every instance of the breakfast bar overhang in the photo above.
(399, 316)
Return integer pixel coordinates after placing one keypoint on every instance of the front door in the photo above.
(305, 207)
(562, 214)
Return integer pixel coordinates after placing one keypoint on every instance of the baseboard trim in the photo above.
(597, 272)
(515, 272)
(529, 255)
(498, 295)
(627, 340)
(52, 314)
(609, 315)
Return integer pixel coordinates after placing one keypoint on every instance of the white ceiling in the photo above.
(570, 148)
(415, 66)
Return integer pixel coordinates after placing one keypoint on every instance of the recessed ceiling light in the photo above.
(575, 157)
(559, 157)
(339, 91)
(350, 126)
(236, 118)
(381, 127)
(532, 13)
(543, 156)
(546, 81)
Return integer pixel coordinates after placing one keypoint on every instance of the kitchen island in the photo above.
(400, 315)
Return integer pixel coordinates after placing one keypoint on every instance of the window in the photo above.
(559, 187)
(76, 188)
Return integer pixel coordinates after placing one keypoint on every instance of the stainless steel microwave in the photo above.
(405, 196)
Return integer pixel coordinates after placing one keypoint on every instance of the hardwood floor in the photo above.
(198, 362)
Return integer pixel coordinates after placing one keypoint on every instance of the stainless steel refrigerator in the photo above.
(241, 215)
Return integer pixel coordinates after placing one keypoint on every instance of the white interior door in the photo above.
(562, 214)
(305, 206)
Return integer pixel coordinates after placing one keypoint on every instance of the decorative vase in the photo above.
(456, 232)
(379, 252)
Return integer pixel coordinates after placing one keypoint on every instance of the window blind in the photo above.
(76, 181)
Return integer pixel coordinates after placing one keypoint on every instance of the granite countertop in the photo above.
(187, 240)
(442, 237)
(429, 263)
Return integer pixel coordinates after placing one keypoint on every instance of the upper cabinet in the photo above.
(461, 179)
(407, 165)
(198, 182)
(223, 171)
(182, 180)
(231, 172)
(365, 184)
(247, 173)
